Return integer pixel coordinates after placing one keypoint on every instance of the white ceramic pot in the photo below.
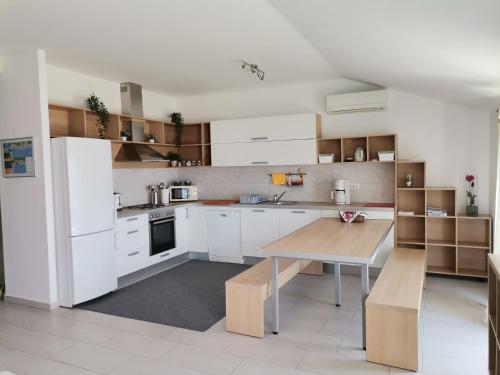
(174, 163)
(151, 141)
(124, 138)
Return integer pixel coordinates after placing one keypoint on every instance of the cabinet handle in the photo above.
(298, 212)
(260, 162)
(133, 231)
(164, 255)
(133, 219)
(134, 253)
(258, 138)
(259, 210)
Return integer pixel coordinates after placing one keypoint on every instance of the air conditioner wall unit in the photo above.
(357, 102)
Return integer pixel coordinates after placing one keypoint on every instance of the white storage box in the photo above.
(386, 155)
(326, 158)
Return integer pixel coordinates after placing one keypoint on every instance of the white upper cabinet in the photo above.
(296, 152)
(273, 128)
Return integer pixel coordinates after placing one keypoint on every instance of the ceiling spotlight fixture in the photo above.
(253, 68)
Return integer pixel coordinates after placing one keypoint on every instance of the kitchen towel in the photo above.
(278, 178)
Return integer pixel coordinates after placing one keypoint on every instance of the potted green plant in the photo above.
(178, 121)
(123, 135)
(174, 158)
(151, 138)
(95, 104)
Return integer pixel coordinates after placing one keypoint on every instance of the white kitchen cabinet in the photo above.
(181, 229)
(292, 219)
(197, 229)
(131, 261)
(135, 221)
(132, 238)
(259, 227)
(271, 128)
(294, 152)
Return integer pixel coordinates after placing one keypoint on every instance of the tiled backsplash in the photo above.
(376, 181)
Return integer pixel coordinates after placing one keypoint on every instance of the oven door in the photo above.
(162, 235)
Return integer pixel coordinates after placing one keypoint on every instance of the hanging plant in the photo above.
(178, 121)
(95, 104)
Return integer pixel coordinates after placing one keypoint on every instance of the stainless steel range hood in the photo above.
(131, 98)
(138, 152)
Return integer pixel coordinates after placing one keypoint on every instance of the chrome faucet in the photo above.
(276, 198)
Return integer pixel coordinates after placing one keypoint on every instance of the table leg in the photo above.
(365, 289)
(337, 285)
(275, 295)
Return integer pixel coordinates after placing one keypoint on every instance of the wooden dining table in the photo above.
(330, 241)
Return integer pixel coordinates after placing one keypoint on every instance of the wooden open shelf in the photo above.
(411, 200)
(474, 232)
(411, 230)
(441, 259)
(441, 231)
(345, 147)
(416, 168)
(80, 122)
(472, 261)
(443, 198)
(331, 146)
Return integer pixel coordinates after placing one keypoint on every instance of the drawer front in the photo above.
(132, 238)
(124, 223)
(165, 255)
(131, 261)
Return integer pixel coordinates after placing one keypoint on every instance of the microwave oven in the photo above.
(183, 193)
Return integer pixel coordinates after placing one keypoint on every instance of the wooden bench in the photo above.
(246, 293)
(392, 310)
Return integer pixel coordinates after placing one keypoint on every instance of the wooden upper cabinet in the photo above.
(272, 128)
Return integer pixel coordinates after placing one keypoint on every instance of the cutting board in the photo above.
(221, 202)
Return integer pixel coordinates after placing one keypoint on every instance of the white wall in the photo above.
(70, 88)
(26, 202)
(453, 140)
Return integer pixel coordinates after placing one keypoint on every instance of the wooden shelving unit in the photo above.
(345, 147)
(80, 122)
(455, 244)
(493, 316)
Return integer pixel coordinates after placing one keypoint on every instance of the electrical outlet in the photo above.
(355, 186)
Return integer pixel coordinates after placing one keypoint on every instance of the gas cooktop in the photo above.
(154, 212)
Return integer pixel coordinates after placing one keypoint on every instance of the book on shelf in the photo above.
(406, 212)
(433, 211)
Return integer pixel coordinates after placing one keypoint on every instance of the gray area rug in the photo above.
(190, 296)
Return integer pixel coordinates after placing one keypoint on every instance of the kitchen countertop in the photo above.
(300, 205)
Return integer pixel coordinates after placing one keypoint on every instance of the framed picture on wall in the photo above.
(17, 157)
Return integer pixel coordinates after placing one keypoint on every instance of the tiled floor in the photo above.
(316, 338)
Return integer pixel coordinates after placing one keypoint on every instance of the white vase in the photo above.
(124, 138)
(174, 163)
(151, 141)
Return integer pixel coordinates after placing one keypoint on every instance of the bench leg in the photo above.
(337, 285)
(275, 295)
(365, 289)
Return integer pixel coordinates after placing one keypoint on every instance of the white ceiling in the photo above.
(448, 49)
(179, 47)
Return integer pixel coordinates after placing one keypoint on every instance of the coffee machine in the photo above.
(342, 191)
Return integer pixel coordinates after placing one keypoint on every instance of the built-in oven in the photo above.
(161, 231)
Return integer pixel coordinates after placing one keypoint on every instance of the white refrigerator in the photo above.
(84, 218)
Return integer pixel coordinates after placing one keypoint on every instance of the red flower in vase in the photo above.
(469, 178)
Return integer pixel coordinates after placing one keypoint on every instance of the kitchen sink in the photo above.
(282, 203)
